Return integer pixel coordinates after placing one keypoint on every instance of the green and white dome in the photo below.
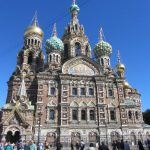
(74, 7)
(54, 43)
(102, 47)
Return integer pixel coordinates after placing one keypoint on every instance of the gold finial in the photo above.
(101, 34)
(54, 30)
(119, 57)
(35, 20)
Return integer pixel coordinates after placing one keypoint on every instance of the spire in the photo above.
(35, 20)
(74, 1)
(22, 90)
(54, 30)
(119, 57)
(101, 34)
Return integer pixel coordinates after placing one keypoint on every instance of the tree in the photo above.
(146, 116)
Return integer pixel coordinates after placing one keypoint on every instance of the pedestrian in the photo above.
(140, 145)
(8, 146)
(103, 147)
(32, 145)
(40, 146)
(59, 146)
(82, 145)
(26, 146)
(46, 146)
(72, 146)
(148, 144)
(91, 147)
(122, 145)
(114, 145)
(77, 146)
(1, 146)
(126, 146)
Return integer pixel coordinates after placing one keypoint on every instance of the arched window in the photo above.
(112, 115)
(50, 58)
(28, 41)
(110, 92)
(91, 91)
(102, 61)
(74, 115)
(83, 115)
(130, 114)
(52, 114)
(21, 58)
(56, 58)
(77, 49)
(32, 41)
(30, 58)
(92, 115)
(136, 115)
(82, 91)
(66, 51)
(53, 91)
(74, 91)
(35, 42)
(86, 50)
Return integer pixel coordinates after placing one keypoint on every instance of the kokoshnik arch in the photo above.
(80, 98)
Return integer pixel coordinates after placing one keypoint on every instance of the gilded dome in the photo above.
(34, 29)
(120, 68)
(54, 43)
(126, 85)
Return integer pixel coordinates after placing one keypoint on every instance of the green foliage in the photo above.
(146, 116)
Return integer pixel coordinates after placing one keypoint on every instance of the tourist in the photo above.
(32, 145)
(114, 145)
(40, 146)
(1, 146)
(46, 145)
(148, 144)
(91, 147)
(77, 146)
(8, 146)
(140, 145)
(72, 146)
(103, 147)
(126, 146)
(59, 146)
(26, 146)
(82, 145)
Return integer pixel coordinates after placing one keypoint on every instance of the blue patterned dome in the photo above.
(54, 43)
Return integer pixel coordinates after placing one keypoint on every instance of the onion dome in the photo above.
(54, 43)
(74, 7)
(34, 29)
(126, 85)
(102, 47)
(120, 67)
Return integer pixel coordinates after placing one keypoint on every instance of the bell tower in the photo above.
(30, 57)
(74, 39)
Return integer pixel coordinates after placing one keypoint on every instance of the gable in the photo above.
(80, 66)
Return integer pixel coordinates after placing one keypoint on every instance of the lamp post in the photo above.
(39, 128)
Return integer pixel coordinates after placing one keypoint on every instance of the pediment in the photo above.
(80, 66)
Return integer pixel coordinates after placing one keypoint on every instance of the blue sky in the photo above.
(126, 25)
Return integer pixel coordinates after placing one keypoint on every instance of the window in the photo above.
(83, 115)
(112, 115)
(91, 91)
(66, 51)
(77, 49)
(53, 91)
(30, 58)
(74, 91)
(102, 61)
(52, 115)
(92, 115)
(130, 114)
(82, 92)
(74, 115)
(110, 93)
(56, 58)
(136, 115)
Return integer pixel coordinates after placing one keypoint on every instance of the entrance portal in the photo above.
(13, 138)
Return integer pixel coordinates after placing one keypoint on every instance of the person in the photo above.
(46, 146)
(140, 145)
(59, 146)
(1, 146)
(40, 146)
(72, 146)
(32, 145)
(77, 146)
(26, 146)
(8, 146)
(126, 146)
(148, 144)
(82, 145)
(103, 147)
(122, 145)
(114, 145)
(91, 147)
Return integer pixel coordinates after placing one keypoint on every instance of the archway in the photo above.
(51, 139)
(133, 138)
(92, 137)
(115, 136)
(13, 138)
(75, 137)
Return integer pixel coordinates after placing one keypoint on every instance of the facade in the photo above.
(69, 96)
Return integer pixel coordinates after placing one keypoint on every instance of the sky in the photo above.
(126, 26)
